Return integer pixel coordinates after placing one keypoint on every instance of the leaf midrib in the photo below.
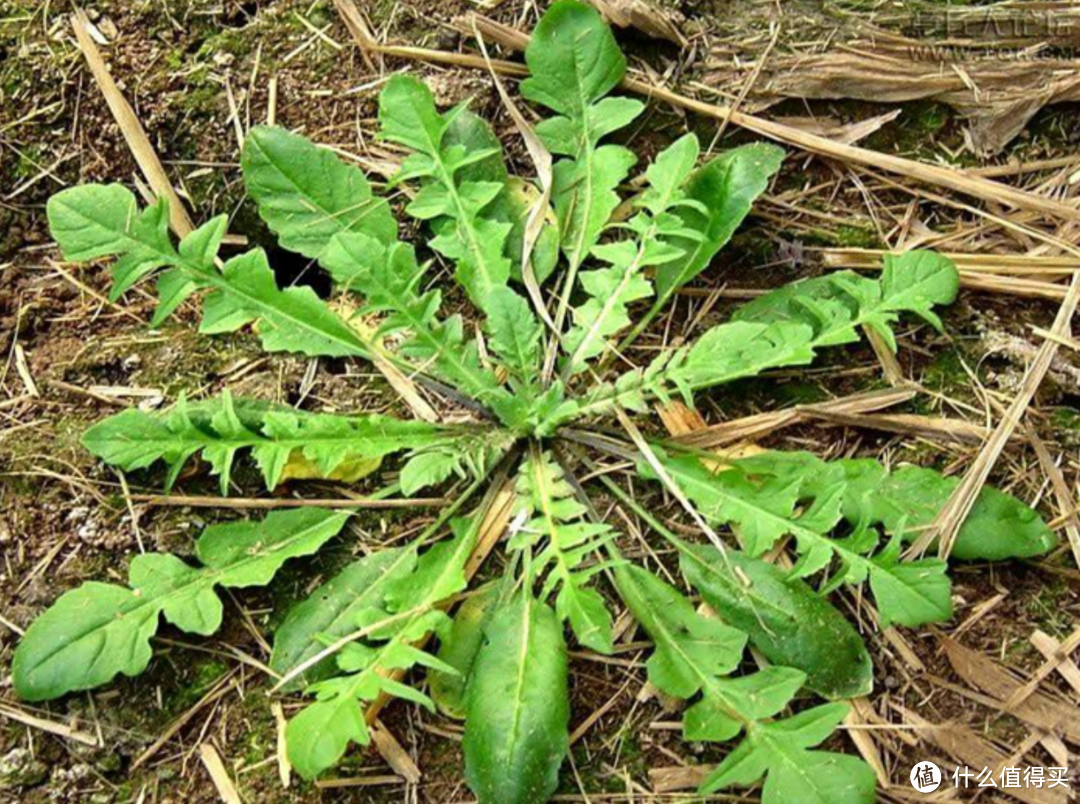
(206, 577)
(799, 531)
(611, 394)
(708, 680)
(368, 205)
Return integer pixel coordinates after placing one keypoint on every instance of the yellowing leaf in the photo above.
(297, 467)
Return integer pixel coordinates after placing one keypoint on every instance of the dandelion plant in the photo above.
(502, 662)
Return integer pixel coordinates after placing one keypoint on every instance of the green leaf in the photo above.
(917, 281)
(834, 305)
(780, 751)
(284, 442)
(98, 630)
(612, 290)
(199, 249)
(306, 194)
(429, 468)
(99, 221)
(290, 320)
(459, 650)
(762, 511)
(330, 612)
(691, 649)
(388, 278)
(908, 499)
(475, 241)
(514, 335)
(725, 189)
(694, 653)
(95, 220)
(573, 63)
(790, 624)
(547, 499)
(518, 707)
(408, 613)
(573, 60)
(316, 738)
(473, 134)
(725, 353)
(783, 328)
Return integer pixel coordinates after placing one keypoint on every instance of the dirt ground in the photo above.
(71, 358)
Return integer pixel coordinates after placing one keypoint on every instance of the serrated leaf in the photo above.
(694, 654)
(290, 320)
(276, 436)
(573, 63)
(725, 189)
(306, 194)
(836, 304)
(174, 286)
(317, 735)
(763, 511)
(908, 499)
(690, 649)
(518, 708)
(790, 624)
(612, 290)
(388, 278)
(96, 221)
(475, 241)
(408, 613)
(99, 630)
(780, 751)
(555, 516)
(514, 335)
(512, 205)
(917, 281)
(330, 611)
(783, 328)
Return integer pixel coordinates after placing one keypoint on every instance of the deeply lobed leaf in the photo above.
(695, 653)
(573, 63)
(785, 327)
(761, 512)
(318, 736)
(94, 632)
(475, 241)
(554, 515)
(656, 226)
(907, 499)
(285, 443)
(780, 751)
(95, 220)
